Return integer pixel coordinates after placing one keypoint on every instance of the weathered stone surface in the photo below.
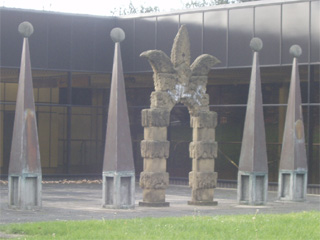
(155, 149)
(25, 191)
(195, 110)
(203, 180)
(118, 190)
(203, 64)
(159, 61)
(155, 133)
(177, 82)
(183, 74)
(162, 100)
(203, 165)
(205, 100)
(117, 35)
(203, 149)
(256, 44)
(204, 120)
(181, 48)
(202, 195)
(25, 29)
(155, 117)
(155, 164)
(154, 180)
(154, 195)
(252, 188)
(203, 134)
(198, 84)
(164, 81)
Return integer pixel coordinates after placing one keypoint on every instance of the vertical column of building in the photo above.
(203, 151)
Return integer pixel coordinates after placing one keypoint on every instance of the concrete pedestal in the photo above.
(118, 190)
(292, 185)
(25, 191)
(252, 188)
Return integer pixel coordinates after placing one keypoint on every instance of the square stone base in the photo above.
(25, 191)
(252, 188)
(292, 185)
(118, 190)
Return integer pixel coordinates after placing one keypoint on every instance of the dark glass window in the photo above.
(80, 96)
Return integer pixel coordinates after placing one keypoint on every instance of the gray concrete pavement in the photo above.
(83, 202)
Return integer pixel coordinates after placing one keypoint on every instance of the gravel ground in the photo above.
(81, 200)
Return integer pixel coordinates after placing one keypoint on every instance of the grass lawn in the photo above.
(304, 225)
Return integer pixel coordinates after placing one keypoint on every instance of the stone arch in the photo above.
(175, 82)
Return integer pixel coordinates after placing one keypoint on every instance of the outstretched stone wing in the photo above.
(202, 65)
(159, 61)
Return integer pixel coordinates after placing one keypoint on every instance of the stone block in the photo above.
(155, 164)
(202, 195)
(203, 180)
(204, 120)
(203, 64)
(203, 165)
(292, 185)
(155, 133)
(196, 109)
(118, 189)
(205, 100)
(203, 149)
(162, 100)
(164, 81)
(155, 117)
(154, 180)
(252, 188)
(153, 195)
(203, 134)
(155, 149)
(25, 191)
(198, 81)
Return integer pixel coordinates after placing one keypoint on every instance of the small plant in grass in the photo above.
(254, 223)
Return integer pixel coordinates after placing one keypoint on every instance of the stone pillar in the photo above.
(118, 166)
(253, 163)
(155, 150)
(25, 167)
(293, 169)
(203, 151)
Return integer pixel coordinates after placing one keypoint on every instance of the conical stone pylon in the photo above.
(118, 165)
(25, 167)
(253, 165)
(293, 169)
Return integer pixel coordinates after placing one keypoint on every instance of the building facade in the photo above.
(71, 58)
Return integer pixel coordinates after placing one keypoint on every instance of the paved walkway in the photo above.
(83, 202)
